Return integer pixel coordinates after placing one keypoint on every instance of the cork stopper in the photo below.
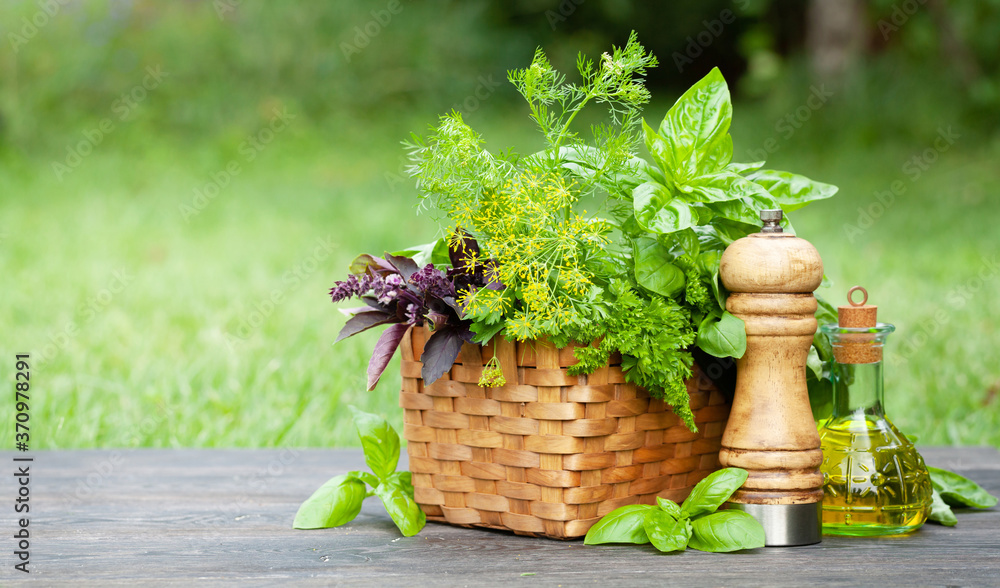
(857, 347)
(858, 315)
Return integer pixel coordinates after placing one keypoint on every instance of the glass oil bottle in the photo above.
(874, 481)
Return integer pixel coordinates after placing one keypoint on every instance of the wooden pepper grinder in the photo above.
(771, 276)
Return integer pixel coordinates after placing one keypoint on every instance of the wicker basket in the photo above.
(548, 454)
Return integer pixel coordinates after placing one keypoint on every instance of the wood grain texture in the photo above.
(177, 517)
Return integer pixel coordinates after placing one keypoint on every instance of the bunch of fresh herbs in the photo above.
(590, 243)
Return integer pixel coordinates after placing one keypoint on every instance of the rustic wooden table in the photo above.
(167, 517)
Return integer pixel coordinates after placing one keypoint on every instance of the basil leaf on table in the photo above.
(366, 477)
(403, 480)
(724, 336)
(379, 441)
(654, 270)
(622, 525)
(941, 512)
(727, 530)
(665, 532)
(670, 507)
(958, 490)
(709, 494)
(402, 508)
(335, 503)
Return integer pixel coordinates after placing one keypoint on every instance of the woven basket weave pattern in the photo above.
(548, 454)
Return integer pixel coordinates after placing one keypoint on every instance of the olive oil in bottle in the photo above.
(874, 481)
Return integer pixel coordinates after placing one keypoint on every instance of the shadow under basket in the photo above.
(548, 454)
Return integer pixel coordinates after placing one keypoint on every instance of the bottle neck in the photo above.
(857, 390)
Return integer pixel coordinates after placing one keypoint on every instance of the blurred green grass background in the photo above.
(155, 319)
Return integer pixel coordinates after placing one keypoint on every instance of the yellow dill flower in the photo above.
(521, 327)
(492, 376)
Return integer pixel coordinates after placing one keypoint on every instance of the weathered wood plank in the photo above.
(173, 516)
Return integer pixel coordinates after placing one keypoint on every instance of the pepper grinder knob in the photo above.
(771, 276)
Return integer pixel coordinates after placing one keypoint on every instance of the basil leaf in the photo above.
(708, 262)
(670, 507)
(363, 321)
(379, 441)
(665, 532)
(485, 332)
(711, 492)
(724, 531)
(814, 363)
(654, 270)
(661, 152)
(402, 508)
(361, 263)
(723, 187)
(825, 312)
(724, 336)
(741, 211)
(435, 252)
(622, 525)
(941, 512)
(402, 480)
(717, 154)
(697, 120)
(441, 350)
(685, 241)
(729, 230)
(820, 396)
(366, 477)
(743, 168)
(333, 504)
(658, 211)
(792, 191)
(957, 490)
(385, 348)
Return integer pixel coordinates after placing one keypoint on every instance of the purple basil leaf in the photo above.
(437, 319)
(459, 256)
(404, 265)
(441, 351)
(363, 321)
(454, 305)
(384, 350)
(373, 302)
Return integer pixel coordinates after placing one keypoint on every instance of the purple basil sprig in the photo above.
(399, 293)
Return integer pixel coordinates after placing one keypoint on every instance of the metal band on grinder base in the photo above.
(786, 525)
